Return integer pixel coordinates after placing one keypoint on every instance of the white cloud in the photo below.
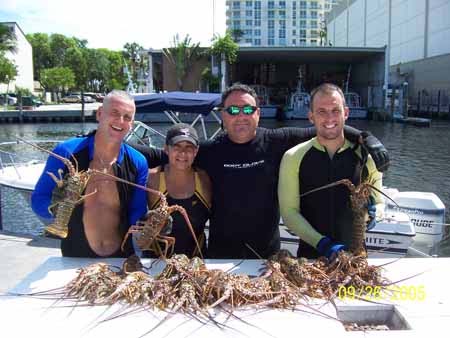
(110, 24)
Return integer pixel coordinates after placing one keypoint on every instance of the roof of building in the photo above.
(307, 54)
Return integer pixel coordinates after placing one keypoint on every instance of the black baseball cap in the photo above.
(181, 132)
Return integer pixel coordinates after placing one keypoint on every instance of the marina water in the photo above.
(420, 161)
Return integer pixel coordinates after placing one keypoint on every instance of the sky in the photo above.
(112, 23)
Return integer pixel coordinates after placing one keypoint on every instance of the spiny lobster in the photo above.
(359, 198)
(71, 186)
(148, 230)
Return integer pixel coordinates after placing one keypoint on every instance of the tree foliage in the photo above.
(225, 46)
(8, 71)
(57, 79)
(182, 55)
(8, 40)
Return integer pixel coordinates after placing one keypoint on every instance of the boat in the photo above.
(356, 110)
(298, 102)
(268, 110)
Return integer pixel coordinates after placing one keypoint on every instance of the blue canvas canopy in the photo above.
(183, 102)
(176, 107)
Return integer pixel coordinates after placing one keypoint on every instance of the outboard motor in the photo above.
(427, 213)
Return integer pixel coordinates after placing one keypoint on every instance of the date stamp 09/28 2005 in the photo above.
(393, 293)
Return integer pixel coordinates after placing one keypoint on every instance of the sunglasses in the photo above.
(246, 110)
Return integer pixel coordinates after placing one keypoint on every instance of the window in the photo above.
(236, 4)
(271, 14)
(303, 14)
(271, 33)
(313, 24)
(302, 33)
(237, 24)
(248, 13)
(248, 41)
(302, 42)
(248, 32)
(257, 4)
(314, 34)
(282, 23)
(303, 4)
(314, 5)
(257, 42)
(282, 33)
(248, 4)
(302, 23)
(294, 32)
(294, 5)
(271, 24)
(313, 42)
(294, 23)
(258, 23)
(271, 41)
(294, 42)
(282, 4)
(258, 15)
(257, 32)
(248, 22)
(236, 14)
(294, 14)
(313, 14)
(282, 14)
(271, 4)
(282, 42)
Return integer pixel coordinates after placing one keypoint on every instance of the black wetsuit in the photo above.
(198, 211)
(244, 178)
(130, 166)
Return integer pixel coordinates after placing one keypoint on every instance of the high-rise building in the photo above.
(278, 23)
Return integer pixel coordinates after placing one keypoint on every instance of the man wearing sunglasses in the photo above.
(243, 165)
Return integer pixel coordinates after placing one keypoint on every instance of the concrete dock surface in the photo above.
(417, 306)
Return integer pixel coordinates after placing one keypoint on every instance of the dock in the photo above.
(51, 113)
(419, 304)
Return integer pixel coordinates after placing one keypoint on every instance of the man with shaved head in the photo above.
(97, 225)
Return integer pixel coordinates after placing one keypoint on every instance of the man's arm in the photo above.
(154, 156)
(289, 199)
(138, 202)
(41, 197)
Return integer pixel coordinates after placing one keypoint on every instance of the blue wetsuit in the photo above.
(130, 165)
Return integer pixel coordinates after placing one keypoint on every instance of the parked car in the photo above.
(30, 101)
(88, 99)
(10, 100)
(71, 99)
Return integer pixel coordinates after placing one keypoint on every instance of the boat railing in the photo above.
(352, 99)
(13, 159)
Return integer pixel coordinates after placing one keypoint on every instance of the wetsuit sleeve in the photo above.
(154, 156)
(289, 197)
(138, 202)
(41, 197)
(291, 136)
(375, 178)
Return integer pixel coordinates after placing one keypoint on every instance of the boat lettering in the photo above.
(377, 240)
(409, 211)
(424, 223)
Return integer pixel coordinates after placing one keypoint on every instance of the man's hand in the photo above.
(326, 247)
(376, 149)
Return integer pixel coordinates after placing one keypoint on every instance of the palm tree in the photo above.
(8, 39)
(182, 56)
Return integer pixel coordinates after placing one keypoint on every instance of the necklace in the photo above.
(105, 166)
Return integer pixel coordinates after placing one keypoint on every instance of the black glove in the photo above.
(377, 150)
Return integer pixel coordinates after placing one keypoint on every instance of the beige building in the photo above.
(267, 23)
(22, 58)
